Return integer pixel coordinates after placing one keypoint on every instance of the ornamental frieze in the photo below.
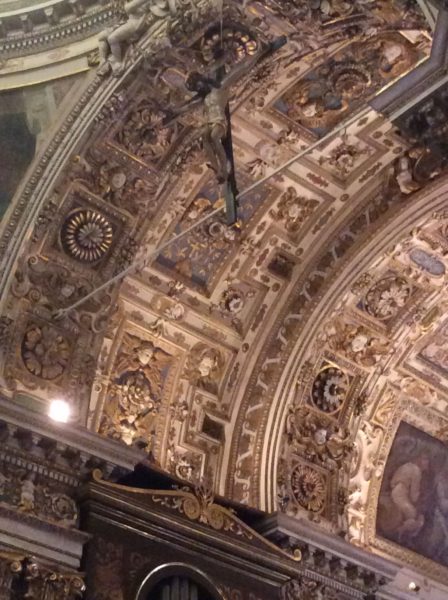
(27, 577)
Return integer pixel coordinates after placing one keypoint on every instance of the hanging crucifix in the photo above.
(212, 93)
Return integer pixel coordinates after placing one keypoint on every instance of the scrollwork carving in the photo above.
(323, 97)
(355, 342)
(10, 569)
(54, 286)
(45, 351)
(201, 507)
(318, 438)
(294, 210)
(46, 584)
(38, 581)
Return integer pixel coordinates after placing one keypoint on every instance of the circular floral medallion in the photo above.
(192, 508)
(215, 517)
(351, 80)
(63, 508)
(86, 235)
(386, 297)
(232, 43)
(45, 352)
(329, 389)
(308, 488)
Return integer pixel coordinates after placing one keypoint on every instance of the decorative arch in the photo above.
(368, 251)
(209, 344)
(182, 570)
(392, 381)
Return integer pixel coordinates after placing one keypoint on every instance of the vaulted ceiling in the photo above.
(278, 357)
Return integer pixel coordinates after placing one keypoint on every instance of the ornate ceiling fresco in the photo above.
(278, 357)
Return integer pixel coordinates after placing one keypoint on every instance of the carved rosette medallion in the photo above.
(308, 488)
(45, 351)
(86, 235)
(235, 42)
(329, 390)
(386, 297)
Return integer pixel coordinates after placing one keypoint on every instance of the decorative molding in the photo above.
(62, 23)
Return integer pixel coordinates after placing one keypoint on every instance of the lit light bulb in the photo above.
(59, 411)
(413, 586)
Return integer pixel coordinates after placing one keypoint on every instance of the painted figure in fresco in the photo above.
(113, 42)
(405, 491)
(413, 502)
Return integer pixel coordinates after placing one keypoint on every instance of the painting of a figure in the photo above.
(413, 502)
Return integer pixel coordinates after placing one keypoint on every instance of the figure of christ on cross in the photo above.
(212, 93)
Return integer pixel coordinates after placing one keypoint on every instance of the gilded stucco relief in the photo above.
(277, 357)
(384, 326)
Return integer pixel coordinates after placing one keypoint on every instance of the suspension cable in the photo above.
(134, 267)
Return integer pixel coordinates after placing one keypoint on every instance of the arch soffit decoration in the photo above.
(370, 260)
(91, 104)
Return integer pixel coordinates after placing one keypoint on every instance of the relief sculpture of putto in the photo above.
(135, 394)
(318, 438)
(138, 16)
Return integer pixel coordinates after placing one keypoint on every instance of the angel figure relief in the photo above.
(355, 342)
(321, 440)
(135, 395)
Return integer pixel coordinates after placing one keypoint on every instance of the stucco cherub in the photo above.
(27, 490)
(114, 42)
(355, 342)
(136, 393)
(322, 441)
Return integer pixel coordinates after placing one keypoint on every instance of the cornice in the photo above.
(135, 510)
(21, 532)
(90, 444)
(43, 28)
(279, 525)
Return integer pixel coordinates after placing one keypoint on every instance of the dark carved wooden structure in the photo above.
(175, 544)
